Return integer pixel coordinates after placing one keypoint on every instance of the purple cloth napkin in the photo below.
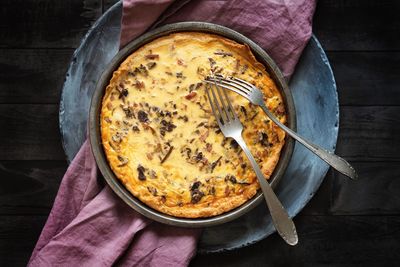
(88, 224)
(282, 28)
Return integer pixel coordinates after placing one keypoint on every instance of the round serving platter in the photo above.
(315, 97)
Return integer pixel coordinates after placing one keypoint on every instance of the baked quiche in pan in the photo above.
(161, 139)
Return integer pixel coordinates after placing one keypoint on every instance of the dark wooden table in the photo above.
(346, 223)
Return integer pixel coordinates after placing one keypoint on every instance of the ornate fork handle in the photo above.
(285, 227)
(333, 160)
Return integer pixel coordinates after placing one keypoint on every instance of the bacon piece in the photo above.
(152, 56)
(191, 95)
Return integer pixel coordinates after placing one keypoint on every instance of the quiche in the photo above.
(161, 139)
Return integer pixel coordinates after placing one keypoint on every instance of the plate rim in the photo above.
(102, 20)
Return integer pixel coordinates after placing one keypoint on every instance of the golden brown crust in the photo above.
(161, 139)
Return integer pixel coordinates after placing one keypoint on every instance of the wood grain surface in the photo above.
(346, 223)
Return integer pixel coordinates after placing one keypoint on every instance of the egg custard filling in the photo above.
(161, 139)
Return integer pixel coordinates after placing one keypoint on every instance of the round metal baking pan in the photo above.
(94, 122)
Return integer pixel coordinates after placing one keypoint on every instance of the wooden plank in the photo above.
(37, 75)
(334, 240)
(29, 187)
(367, 78)
(369, 133)
(31, 132)
(366, 133)
(359, 25)
(341, 25)
(376, 192)
(315, 236)
(18, 236)
(46, 23)
(32, 75)
(323, 240)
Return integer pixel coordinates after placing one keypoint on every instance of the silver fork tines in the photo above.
(226, 116)
(239, 86)
(231, 126)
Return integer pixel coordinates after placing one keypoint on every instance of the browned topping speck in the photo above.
(152, 190)
(184, 118)
(195, 192)
(142, 70)
(135, 128)
(151, 65)
(152, 56)
(280, 110)
(141, 174)
(128, 112)
(180, 62)
(123, 93)
(234, 144)
(116, 138)
(223, 53)
(199, 156)
(263, 138)
(167, 126)
(123, 160)
(113, 146)
(243, 110)
(212, 61)
(194, 86)
(244, 69)
(215, 163)
(139, 84)
(191, 95)
(142, 116)
(231, 178)
(167, 155)
(255, 114)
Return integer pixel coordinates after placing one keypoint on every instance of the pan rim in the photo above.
(94, 123)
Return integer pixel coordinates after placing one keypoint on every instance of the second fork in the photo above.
(231, 126)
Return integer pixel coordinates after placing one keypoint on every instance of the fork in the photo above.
(231, 126)
(255, 96)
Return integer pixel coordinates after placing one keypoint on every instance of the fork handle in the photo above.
(280, 218)
(333, 160)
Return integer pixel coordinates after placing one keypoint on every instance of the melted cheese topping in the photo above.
(161, 138)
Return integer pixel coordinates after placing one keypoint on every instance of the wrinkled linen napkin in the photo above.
(282, 28)
(88, 224)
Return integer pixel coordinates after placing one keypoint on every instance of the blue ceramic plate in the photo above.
(314, 92)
